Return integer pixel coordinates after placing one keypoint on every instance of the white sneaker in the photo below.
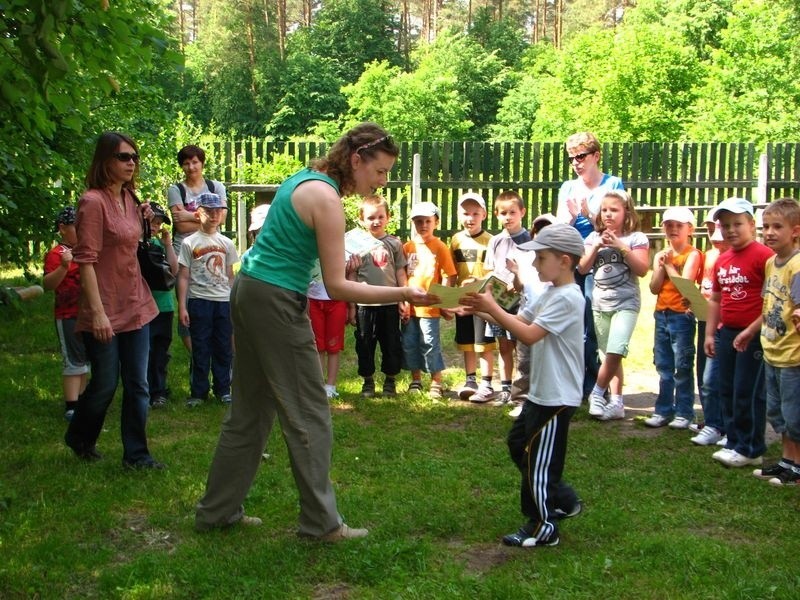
(468, 389)
(720, 454)
(484, 394)
(596, 405)
(516, 411)
(734, 459)
(707, 436)
(612, 412)
(723, 441)
(679, 423)
(696, 427)
(656, 421)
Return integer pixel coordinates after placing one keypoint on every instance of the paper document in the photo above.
(690, 291)
(359, 242)
(450, 295)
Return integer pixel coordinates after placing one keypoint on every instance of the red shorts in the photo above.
(328, 319)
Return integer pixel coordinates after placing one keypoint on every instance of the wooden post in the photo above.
(763, 179)
(241, 208)
(416, 189)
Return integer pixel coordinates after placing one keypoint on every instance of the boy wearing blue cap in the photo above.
(205, 278)
(63, 276)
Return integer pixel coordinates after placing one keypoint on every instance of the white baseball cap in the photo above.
(681, 214)
(474, 197)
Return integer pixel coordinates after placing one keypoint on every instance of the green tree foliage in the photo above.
(311, 92)
(506, 37)
(69, 70)
(420, 105)
(752, 91)
(353, 33)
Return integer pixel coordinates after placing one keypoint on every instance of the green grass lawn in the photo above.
(432, 482)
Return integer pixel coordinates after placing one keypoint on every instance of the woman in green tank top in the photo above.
(276, 370)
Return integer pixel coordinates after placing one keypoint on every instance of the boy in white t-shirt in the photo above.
(205, 278)
(554, 329)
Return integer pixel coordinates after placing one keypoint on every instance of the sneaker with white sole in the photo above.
(523, 539)
(484, 394)
(680, 423)
(435, 391)
(468, 389)
(656, 421)
(503, 398)
(696, 427)
(707, 436)
(771, 471)
(516, 411)
(789, 478)
(734, 459)
(344, 532)
(613, 412)
(721, 453)
(723, 441)
(415, 388)
(596, 405)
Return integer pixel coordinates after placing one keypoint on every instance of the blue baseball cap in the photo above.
(210, 200)
(734, 205)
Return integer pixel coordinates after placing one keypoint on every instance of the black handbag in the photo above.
(153, 261)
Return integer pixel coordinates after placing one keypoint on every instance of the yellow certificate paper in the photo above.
(690, 291)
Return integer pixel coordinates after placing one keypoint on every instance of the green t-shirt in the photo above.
(286, 248)
(165, 299)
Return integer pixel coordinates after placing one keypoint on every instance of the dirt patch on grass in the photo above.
(135, 535)
(480, 558)
(333, 591)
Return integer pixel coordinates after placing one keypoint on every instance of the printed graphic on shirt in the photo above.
(213, 270)
(774, 327)
(733, 282)
(610, 270)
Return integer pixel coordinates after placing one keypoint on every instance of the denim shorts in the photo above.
(422, 349)
(614, 330)
(783, 399)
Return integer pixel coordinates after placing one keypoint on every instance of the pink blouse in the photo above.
(108, 238)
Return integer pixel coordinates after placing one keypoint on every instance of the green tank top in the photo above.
(285, 250)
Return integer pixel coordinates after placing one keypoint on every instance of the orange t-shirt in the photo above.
(426, 263)
(669, 298)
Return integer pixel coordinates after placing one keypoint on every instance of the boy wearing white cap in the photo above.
(428, 261)
(675, 325)
(735, 307)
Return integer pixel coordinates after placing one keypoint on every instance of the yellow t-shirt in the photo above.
(781, 293)
(469, 253)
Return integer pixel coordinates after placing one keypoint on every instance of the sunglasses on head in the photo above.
(126, 156)
(373, 143)
(578, 157)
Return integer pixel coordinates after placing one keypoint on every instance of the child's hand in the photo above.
(166, 238)
(483, 302)
(796, 319)
(708, 346)
(741, 341)
(467, 281)
(351, 314)
(66, 258)
(512, 266)
(446, 314)
(183, 316)
(353, 263)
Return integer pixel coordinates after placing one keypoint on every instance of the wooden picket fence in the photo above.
(696, 175)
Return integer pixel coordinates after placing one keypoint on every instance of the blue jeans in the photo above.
(160, 340)
(783, 400)
(741, 393)
(125, 355)
(211, 330)
(422, 349)
(712, 409)
(673, 356)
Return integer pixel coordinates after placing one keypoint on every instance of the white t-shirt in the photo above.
(557, 359)
(208, 258)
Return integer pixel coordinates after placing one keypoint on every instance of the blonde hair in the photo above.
(631, 222)
(376, 201)
(786, 208)
(583, 139)
(508, 196)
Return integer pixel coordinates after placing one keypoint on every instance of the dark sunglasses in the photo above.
(374, 143)
(578, 157)
(126, 156)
